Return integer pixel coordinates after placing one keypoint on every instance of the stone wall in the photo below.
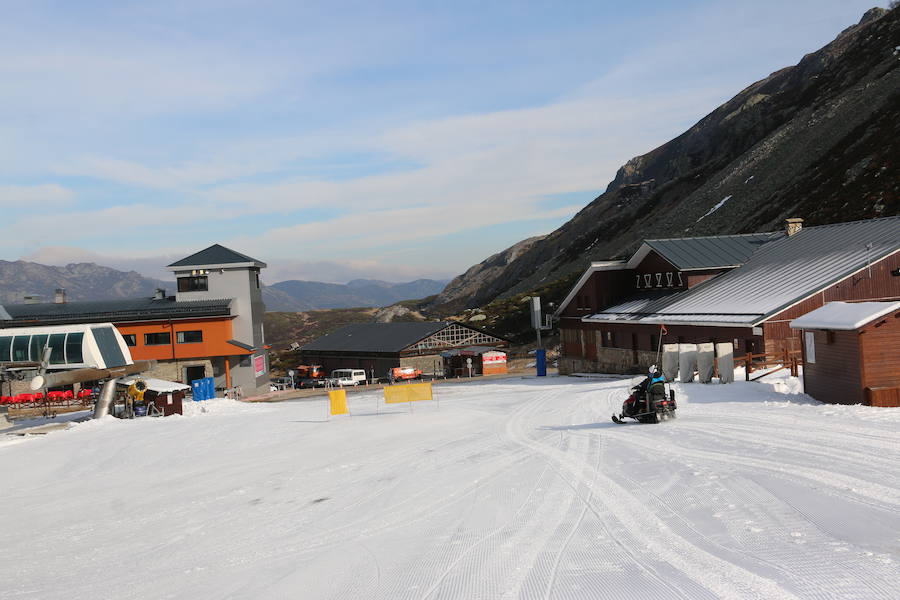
(609, 360)
(171, 370)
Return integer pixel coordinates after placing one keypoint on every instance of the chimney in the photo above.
(59, 296)
(794, 225)
(31, 299)
(159, 294)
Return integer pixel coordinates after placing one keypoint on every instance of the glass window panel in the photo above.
(157, 339)
(5, 347)
(37, 347)
(189, 337)
(73, 348)
(20, 348)
(58, 349)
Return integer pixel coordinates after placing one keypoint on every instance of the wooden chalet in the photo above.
(743, 289)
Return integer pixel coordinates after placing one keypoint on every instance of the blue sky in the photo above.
(391, 140)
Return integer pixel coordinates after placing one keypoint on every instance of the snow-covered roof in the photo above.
(161, 386)
(844, 315)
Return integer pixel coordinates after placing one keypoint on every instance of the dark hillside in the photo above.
(818, 140)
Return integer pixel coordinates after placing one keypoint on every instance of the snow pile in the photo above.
(716, 207)
(221, 406)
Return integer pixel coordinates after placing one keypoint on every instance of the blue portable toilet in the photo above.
(200, 389)
(210, 384)
(540, 362)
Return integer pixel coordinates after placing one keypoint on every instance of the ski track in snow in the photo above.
(511, 489)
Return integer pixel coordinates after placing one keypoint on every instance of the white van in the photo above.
(344, 377)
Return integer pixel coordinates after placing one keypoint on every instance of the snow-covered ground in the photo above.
(511, 489)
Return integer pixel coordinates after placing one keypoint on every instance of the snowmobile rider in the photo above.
(654, 386)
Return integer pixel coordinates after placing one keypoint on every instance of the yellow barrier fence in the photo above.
(338, 400)
(407, 392)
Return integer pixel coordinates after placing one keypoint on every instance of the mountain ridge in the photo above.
(86, 281)
(817, 140)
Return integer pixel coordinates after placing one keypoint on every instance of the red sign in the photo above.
(493, 357)
(259, 365)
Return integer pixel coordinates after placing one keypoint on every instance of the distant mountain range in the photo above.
(294, 296)
(82, 281)
(88, 281)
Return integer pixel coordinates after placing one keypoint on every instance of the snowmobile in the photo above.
(649, 402)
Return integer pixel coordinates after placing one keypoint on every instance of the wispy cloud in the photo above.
(382, 133)
(48, 195)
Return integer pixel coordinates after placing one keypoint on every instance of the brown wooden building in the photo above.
(743, 289)
(851, 353)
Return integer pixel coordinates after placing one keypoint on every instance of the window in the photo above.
(73, 348)
(20, 348)
(256, 276)
(810, 338)
(157, 339)
(193, 284)
(189, 337)
(5, 348)
(37, 347)
(130, 339)
(57, 349)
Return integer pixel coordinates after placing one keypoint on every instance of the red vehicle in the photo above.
(310, 372)
(403, 373)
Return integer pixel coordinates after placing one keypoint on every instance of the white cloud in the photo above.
(48, 195)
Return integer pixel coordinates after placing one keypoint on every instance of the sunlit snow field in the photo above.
(521, 488)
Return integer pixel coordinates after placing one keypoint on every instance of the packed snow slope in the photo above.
(513, 489)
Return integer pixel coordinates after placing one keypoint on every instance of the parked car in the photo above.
(345, 377)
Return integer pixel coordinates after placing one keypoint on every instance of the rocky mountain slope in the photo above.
(82, 281)
(819, 140)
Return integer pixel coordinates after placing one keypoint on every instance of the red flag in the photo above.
(663, 330)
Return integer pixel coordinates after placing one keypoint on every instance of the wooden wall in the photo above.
(835, 376)
(878, 284)
(880, 352)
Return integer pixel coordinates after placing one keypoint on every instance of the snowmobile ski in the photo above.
(618, 420)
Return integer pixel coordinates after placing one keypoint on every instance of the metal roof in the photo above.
(116, 311)
(780, 274)
(376, 337)
(706, 252)
(216, 255)
(3, 314)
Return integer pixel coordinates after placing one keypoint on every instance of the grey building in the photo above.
(217, 273)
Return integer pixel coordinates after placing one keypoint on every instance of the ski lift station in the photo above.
(211, 327)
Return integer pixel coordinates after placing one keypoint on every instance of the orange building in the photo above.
(211, 328)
